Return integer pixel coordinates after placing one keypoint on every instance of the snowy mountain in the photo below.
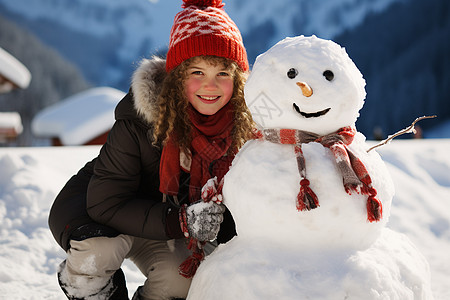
(105, 37)
(400, 46)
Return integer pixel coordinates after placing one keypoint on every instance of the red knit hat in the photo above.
(204, 28)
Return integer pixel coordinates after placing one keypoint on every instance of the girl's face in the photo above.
(208, 87)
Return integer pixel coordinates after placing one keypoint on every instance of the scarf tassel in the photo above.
(189, 267)
(352, 188)
(374, 207)
(212, 191)
(306, 198)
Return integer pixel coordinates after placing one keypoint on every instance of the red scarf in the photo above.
(354, 173)
(211, 140)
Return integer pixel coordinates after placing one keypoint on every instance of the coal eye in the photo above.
(292, 73)
(328, 75)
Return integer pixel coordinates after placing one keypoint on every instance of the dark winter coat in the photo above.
(118, 192)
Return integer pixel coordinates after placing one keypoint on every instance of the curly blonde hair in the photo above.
(172, 104)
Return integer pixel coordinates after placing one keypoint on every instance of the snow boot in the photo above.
(120, 285)
(114, 289)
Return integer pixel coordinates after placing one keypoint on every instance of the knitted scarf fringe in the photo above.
(189, 267)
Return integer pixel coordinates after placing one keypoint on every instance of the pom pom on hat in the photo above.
(204, 28)
(202, 3)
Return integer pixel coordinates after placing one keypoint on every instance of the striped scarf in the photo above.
(354, 173)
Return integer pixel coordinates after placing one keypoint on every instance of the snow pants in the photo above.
(90, 266)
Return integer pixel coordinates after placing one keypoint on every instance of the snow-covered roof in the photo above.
(12, 120)
(14, 70)
(79, 118)
(10, 125)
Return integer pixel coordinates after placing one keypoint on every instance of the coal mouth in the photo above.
(311, 115)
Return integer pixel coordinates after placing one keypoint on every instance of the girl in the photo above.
(179, 126)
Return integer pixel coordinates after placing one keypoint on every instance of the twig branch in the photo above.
(409, 129)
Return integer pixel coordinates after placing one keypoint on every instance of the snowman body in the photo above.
(268, 178)
(332, 251)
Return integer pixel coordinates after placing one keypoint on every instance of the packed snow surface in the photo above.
(30, 179)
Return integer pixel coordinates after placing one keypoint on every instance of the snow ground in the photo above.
(30, 178)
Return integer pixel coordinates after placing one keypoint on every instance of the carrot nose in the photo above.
(306, 89)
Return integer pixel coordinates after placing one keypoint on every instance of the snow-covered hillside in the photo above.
(135, 28)
(152, 19)
(30, 178)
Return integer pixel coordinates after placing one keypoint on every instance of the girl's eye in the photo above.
(292, 73)
(197, 72)
(328, 75)
(223, 74)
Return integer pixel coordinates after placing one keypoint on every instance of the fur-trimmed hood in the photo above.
(145, 87)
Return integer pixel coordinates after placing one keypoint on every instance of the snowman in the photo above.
(309, 202)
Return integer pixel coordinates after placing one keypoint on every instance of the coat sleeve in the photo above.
(116, 195)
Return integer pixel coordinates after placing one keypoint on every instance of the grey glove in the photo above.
(203, 220)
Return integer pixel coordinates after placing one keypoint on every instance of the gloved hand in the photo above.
(202, 220)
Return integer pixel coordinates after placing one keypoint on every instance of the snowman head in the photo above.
(305, 83)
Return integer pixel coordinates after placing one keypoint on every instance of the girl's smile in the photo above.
(207, 99)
